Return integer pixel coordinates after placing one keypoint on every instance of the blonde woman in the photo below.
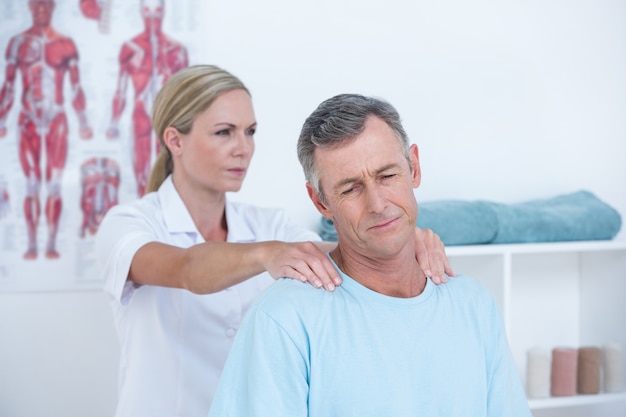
(183, 263)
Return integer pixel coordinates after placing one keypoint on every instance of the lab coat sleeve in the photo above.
(119, 237)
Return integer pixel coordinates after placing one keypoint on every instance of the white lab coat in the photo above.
(174, 343)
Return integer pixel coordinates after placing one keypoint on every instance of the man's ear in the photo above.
(173, 140)
(317, 201)
(415, 164)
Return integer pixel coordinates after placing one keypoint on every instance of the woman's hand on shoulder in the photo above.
(304, 261)
(431, 255)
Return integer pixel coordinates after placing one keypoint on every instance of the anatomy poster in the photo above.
(77, 85)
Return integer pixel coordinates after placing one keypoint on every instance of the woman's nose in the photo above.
(245, 144)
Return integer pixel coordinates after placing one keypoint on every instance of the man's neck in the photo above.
(400, 276)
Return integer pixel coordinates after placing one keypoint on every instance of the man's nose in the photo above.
(375, 198)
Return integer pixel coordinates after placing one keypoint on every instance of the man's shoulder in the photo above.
(288, 297)
(463, 280)
(469, 294)
(467, 285)
(290, 290)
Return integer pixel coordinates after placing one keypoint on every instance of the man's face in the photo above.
(41, 11)
(368, 184)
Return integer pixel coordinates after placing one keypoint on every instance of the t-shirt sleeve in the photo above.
(119, 237)
(265, 374)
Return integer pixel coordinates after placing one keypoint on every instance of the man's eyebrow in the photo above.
(351, 180)
(345, 182)
(386, 168)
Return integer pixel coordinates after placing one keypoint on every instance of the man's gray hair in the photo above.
(339, 120)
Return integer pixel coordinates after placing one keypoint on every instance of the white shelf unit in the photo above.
(555, 294)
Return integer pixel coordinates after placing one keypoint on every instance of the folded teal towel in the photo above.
(327, 230)
(459, 222)
(570, 217)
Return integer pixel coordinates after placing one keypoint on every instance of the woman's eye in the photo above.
(222, 132)
(251, 132)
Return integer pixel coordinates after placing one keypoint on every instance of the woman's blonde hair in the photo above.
(182, 98)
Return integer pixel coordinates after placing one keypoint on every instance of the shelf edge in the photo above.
(576, 400)
(544, 247)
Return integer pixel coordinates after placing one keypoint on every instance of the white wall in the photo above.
(508, 101)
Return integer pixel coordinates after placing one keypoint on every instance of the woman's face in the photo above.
(216, 153)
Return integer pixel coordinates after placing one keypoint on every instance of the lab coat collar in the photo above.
(178, 220)
(175, 215)
(239, 229)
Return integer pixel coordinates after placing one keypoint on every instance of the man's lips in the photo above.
(383, 224)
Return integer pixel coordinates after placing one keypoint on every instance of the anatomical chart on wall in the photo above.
(78, 79)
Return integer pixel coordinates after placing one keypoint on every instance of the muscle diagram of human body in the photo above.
(43, 58)
(100, 181)
(99, 10)
(147, 61)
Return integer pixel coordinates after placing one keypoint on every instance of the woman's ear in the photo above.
(317, 201)
(173, 140)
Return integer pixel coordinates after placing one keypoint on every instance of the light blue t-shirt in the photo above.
(355, 352)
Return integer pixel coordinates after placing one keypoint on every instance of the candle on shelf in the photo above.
(589, 363)
(563, 371)
(613, 368)
(538, 373)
